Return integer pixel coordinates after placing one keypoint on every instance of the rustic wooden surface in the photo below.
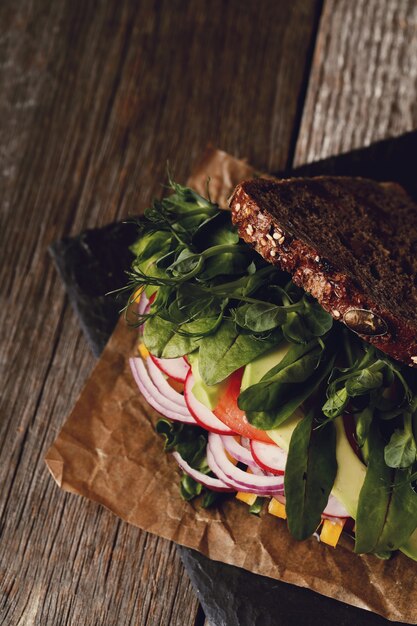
(363, 83)
(95, 97)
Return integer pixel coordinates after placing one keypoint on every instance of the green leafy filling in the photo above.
(215, 295)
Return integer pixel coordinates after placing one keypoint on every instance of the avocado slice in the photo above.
(257, 368)
(209, 395)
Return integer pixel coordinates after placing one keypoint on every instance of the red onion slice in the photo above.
(335, 509)
(172, 397)
(143, 303)
(244, 481)
(202, 415)
(245, 442)
(269, 456)
(237, 451)
(143, 308)
(174, 368)
(154, 397)
(215, 484)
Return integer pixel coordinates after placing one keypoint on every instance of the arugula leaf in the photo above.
(309, 475)
(387, 508)
(225, 351)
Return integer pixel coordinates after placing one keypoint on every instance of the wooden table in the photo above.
(95, 97)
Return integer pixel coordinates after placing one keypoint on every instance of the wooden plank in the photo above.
(96, 96)
(363, 84)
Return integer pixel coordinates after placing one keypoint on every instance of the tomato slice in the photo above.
(229, 413)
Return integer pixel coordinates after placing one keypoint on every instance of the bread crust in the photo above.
(334, 289)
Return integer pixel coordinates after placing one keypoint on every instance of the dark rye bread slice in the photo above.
(350, 242)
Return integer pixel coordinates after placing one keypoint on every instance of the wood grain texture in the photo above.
(363, 83)
(95, 98)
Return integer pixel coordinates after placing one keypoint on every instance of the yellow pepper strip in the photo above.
(143, 351)
(277, 508)
(249, 498)
(331, 531)
(136, 295)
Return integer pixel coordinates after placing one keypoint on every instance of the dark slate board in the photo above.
(94, 263)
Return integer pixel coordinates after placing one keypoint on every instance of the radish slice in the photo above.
(269, 457)
(154, 397)
(263, 485)
(215, 484)
(237, 451)
(202, 415)
(174, 368)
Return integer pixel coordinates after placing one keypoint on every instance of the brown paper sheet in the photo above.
(108, 451)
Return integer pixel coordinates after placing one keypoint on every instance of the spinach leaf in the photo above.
(228, 263)
(309, 475)
(311, 321)
(187, 261)
(151, 244)
(363, 424)
(217, 230)
(387, 508)
(295, 330)
(297, 394)
(297, 366)
(260, 317)
(318, 321)
(162, 339)
(282, 390)
(227, 350)
(400, 452)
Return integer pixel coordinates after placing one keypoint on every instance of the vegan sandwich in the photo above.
(278, 343)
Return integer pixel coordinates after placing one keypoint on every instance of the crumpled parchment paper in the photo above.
(108, 452)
